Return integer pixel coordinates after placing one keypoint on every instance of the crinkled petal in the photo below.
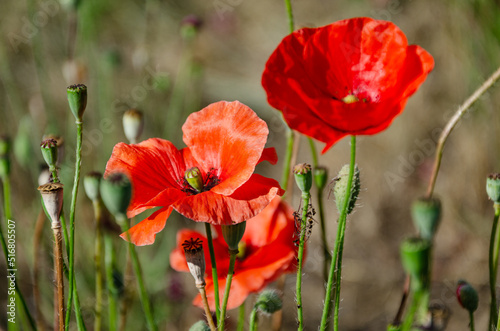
(269, 155)
(144, 232)
(228, 137)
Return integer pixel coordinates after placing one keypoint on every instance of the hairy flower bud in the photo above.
(133, 124)
(116, 193)
(467, 296)
(426, 215)
(199, 326)
(341, 187)
(269, 302)
(52, 195)
(77, 99)
(195, 257)
(493, 187)
(232, 235)
(303, 177)
(91, 183)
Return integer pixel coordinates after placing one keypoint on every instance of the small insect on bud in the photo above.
(493, 187)
(320, 177)
(77, 99)
(303, 177)
(133, 124)
(116, 192)
(232, 235)
(194, 178)
(91, 183)
(341, 187)
(415, 256)
(195, 257)
(426, 215)
(199, 326)
(467, 296)
(52, 195)
(269, 302)
(49, 152)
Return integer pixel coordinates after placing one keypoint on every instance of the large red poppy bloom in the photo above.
(266, 252)
(351, 77)
(224, 141)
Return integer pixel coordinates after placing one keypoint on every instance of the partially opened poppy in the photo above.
(211, 180)
(351, 77)
(266, 252)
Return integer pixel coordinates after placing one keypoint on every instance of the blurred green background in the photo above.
(138, 54)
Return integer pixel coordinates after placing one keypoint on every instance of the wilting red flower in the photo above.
(266, 251)
(224, 142)
(351, 77)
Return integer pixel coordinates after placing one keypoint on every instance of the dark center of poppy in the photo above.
(194, 182)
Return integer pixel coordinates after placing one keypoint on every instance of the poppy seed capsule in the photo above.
(49, 152)
(60, 146)
(194, 178)
(341, 186)
(116, 192)
(52, 195)
(303, 176)
(467, 296)
(77, 99)
(320, 177)
(269, 302)
(199, 326)
(232, 235)
(133, 124)
(493, 187)
(91, 183)
(426, 215)
(415, 257)
(195, 258)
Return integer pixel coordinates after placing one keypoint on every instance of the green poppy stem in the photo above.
(415, 303)
(306, 197)
(327, 258)
(208, 231)
(98, 243)
(493, 266)
(229, 279)
(109, 261)
(146, 306)
(203, 294)
(287, 163)
(254, 317)
(471, 318)
(336, 265)
(314, 154)
(241, 317)
(289, 13)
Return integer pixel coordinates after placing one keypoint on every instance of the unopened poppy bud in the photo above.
(341, 187)
(49, 152)
(52, 195)
(415, 258)
(116, 192)
(493, 187)
(194, 178)
(467, 296)
(4, 146)
(133, 123)
(269, 302)
(426, 215)
(77, 99)
(193, 250)
(303, 177)
(91, 183)
(199, 326)
(232, 235)
(320, 177)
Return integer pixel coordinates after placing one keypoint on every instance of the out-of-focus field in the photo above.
(131, 54)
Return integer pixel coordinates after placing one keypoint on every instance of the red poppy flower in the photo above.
(266, 251)
(351, 77)
(224, 141)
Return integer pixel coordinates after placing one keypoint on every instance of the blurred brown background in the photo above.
(132, 54)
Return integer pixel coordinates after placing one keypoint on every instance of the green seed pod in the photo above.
(269, 302)
(303, 177)
(467, 296)
(232, 234)
(199, 326)
(77, 99)
(133, 123)
(194, 178)
(426, 215)
(341, 186)
(320, 177)
(91, 183)
(493, 187)
(116, 192)
(49, 152)
(415, 256)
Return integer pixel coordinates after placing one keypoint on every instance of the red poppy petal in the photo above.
(269, 154)
(144, 232)
(152, 166)
(418, 64)
(243, 204)
(228, 137)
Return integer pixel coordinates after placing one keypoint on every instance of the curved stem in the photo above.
(253, 319)
(289, 13)
(453, 122)
(338, 242)
(208, 231)
(229, 279)
(241, 317)
(306, 196)
(493, 255)
(203, 294)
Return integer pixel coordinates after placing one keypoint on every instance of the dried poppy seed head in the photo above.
(52, 195)
(493, 187)
(193, 250)
(133, 124)
(77, 99)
